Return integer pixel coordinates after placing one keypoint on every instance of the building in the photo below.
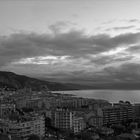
(94, 118)
(63, 119)
(106, 131)
(6, 109)
(136, 111)
(68, 120)
(21, 103)
(33, 102)
(71, 102)
(98, 104)
(8, 137)
(117, 113)
(24, 127)
(78, 124)
(126, 136)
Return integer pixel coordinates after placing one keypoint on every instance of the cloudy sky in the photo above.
(81, 41)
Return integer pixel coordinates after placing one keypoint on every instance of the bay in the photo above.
(110, 95)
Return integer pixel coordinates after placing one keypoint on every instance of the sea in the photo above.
(112, 96)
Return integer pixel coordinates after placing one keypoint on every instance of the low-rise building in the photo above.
(6, 109)
(24, 127)
(78, 124)
(126, 136)
(106, 131)
(94, 118)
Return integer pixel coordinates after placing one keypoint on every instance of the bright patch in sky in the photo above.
(114, 51)
(43, 60)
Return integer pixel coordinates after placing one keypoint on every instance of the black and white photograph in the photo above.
(69, 69)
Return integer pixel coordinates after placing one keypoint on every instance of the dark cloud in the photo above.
(129, 72)
(133, 20)
(73, 43)
(134, 49)
(103, 60)
(121, 28)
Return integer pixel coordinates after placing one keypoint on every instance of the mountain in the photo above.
(116, 85)
(14, 81)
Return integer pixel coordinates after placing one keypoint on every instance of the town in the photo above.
(69, 69)
(43, 115)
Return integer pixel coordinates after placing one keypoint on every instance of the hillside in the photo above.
(14, 81)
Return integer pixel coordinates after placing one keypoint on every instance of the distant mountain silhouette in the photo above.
(14, 81)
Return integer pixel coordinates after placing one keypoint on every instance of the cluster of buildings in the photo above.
(95, 116)
(24, 112)
(19, 124)
(23, 127)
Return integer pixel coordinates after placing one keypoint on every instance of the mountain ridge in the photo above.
(15, 81)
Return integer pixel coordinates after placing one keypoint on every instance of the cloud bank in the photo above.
(73, 54)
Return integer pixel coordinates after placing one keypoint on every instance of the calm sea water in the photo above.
(111, 95)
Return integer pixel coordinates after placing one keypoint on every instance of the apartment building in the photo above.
(72, 102)
(68, 120)
(78, 124)
(63, 119)
(117, 113)
(6, 109)
(136, 110)
(24, 127)
(94, 118)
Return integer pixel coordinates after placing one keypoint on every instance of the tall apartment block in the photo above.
(117, 113)
(68, 120)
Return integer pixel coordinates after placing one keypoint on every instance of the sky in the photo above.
(76, 41)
